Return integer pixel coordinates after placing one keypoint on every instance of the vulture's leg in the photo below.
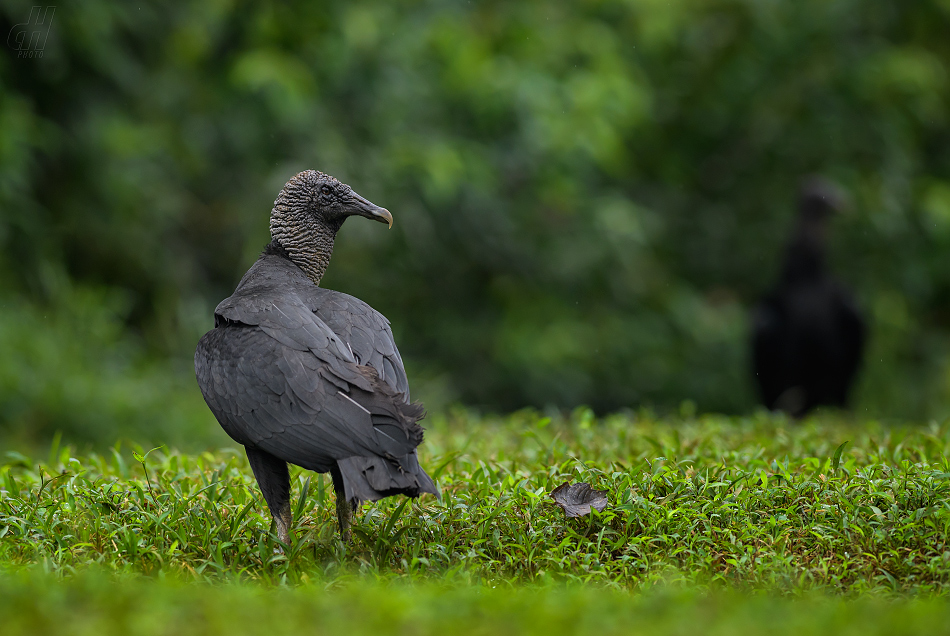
(344, 508)
(274, 480)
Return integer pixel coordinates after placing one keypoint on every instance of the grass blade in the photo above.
(836, 459)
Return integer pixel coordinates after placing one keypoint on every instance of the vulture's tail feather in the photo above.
(373, 478)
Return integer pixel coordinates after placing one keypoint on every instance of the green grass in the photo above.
(95, 604)
(701, 509)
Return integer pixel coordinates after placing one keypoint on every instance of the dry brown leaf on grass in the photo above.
(577, 500)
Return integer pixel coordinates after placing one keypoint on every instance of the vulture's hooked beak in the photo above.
(371, 211)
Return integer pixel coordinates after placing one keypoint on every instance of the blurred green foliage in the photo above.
(95, 601)
(588, 195)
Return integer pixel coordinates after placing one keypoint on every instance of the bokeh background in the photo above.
(589, 196)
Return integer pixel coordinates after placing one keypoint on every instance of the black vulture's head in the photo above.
(820, 198)
(312, 197)
(308, 213)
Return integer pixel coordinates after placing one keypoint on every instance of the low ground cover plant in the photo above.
(706, 506)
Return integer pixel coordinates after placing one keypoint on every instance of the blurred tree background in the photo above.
(588, 195)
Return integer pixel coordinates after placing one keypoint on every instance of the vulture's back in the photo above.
(313, 377)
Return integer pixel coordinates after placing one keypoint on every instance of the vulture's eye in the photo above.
(325, 189)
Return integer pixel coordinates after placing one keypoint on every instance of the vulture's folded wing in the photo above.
(364, 330)
(289, 403)
(768, 361)
(276, 375)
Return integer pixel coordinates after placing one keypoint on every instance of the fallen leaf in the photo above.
(577, 499)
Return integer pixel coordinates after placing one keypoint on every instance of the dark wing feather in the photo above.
(768, 360)
(365, 330)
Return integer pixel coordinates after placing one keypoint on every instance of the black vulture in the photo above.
(301, 374)
(808, 334)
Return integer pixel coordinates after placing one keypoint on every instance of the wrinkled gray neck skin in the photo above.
(307, 239)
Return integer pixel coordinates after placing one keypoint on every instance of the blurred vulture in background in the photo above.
(808, 334)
